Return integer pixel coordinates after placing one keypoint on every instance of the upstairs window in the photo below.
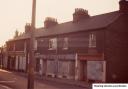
(65, 43)
(53, 44)
(92, 40)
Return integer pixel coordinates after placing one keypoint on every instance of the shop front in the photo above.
(60, 66)
(90, 67)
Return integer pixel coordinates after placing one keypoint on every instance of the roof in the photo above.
(92, 23)
(23, 36)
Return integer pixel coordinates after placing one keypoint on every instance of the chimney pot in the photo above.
(27, 27)
(80, 14)
(49, 22)
(123, 6)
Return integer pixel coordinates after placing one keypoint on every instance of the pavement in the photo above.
(58, 80)
(67, 81)
(18, 80)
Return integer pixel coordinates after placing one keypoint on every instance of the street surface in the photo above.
(10, 80)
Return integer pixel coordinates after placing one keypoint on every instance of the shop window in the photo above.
(92, 40)
(53, 44)
(65, 43)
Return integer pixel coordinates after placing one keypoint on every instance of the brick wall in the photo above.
(116, 50)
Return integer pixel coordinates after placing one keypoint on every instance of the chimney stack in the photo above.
(27, 27)
(80, 14)
(123, 4)
(49, 22)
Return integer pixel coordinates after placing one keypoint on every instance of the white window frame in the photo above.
(92, 40)
(53, 44)
(65, 43)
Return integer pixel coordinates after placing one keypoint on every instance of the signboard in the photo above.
(60, 57)
(90, 57)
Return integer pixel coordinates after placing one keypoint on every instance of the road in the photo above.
(10, 80)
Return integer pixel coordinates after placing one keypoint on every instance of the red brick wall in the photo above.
(116, 50)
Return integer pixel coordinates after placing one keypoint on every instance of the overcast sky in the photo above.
(16, 13)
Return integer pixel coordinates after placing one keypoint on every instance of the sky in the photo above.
(16, 13)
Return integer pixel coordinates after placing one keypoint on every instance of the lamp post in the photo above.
(31, 55)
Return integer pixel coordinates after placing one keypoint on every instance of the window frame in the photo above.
(92, 40)
(65, 43)
(52, 44)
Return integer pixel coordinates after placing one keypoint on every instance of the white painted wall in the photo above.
(41, 67)
(5, 62)
(16, 66)
(22, 63)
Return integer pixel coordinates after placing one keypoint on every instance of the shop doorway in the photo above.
(83, 70)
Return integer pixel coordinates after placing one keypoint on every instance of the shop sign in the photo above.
(90, 57)
(60, 57)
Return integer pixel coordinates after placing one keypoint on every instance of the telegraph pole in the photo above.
(31, 50)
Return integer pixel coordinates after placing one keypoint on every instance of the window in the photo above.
(53, 44)
(40, 43)
(65, 44)
(92, 40)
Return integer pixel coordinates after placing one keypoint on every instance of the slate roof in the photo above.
(92, 23)
(23, 36)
